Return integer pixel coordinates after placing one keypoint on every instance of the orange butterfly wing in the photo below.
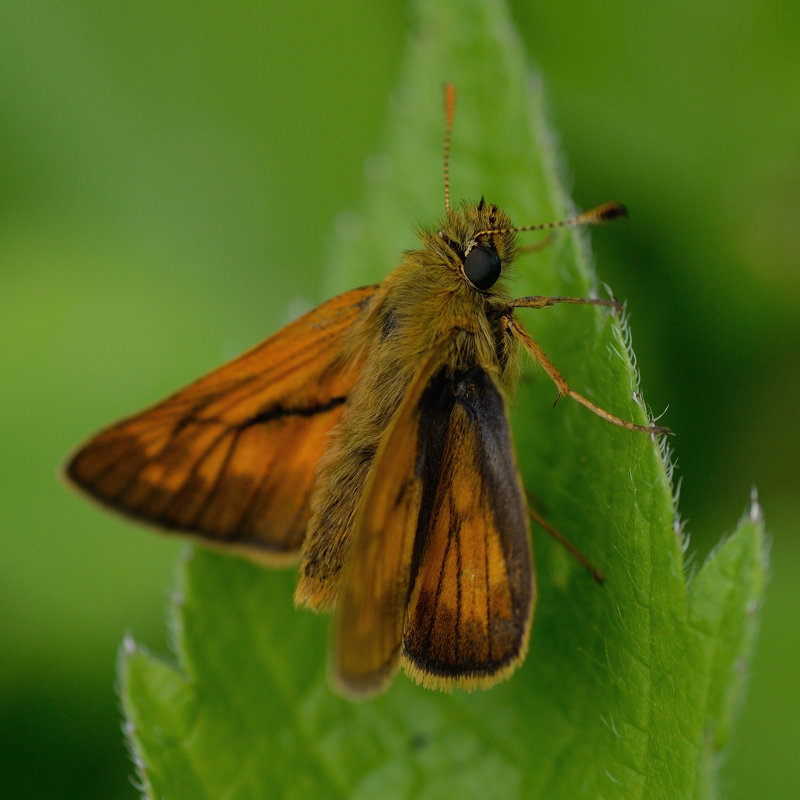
(370, 606)
(232, 457)
(473, 586)
(440, 575)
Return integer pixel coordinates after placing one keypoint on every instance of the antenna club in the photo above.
(449, 101)
(609, 211)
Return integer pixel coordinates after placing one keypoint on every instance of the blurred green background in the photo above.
(170, 178)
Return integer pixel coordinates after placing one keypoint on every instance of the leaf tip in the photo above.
(755, 513)
(129, 646)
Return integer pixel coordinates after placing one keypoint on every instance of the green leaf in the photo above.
(629, 689)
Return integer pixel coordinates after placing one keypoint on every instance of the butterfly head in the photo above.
(479, 240)
(479, 243)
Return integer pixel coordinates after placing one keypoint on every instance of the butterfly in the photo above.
(370, 439)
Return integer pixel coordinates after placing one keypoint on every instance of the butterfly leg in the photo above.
(564, 542)
(539, 301)
(511, 326)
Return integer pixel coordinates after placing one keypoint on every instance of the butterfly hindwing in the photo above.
(232, 457)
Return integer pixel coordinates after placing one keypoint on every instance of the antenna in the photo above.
(594, 216)
(449, 112)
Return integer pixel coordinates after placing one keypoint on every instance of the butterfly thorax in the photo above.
(426, 304)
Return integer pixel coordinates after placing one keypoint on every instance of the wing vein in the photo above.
(193, 471)
(489, 631)
(439, 586)
(204, 506)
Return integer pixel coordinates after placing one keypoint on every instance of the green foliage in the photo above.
(629, 689)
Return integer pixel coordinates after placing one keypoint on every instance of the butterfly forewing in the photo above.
(232, 457)
(469, 612)
(440, 572)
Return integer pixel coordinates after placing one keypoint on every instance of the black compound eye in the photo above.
(482, 267)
